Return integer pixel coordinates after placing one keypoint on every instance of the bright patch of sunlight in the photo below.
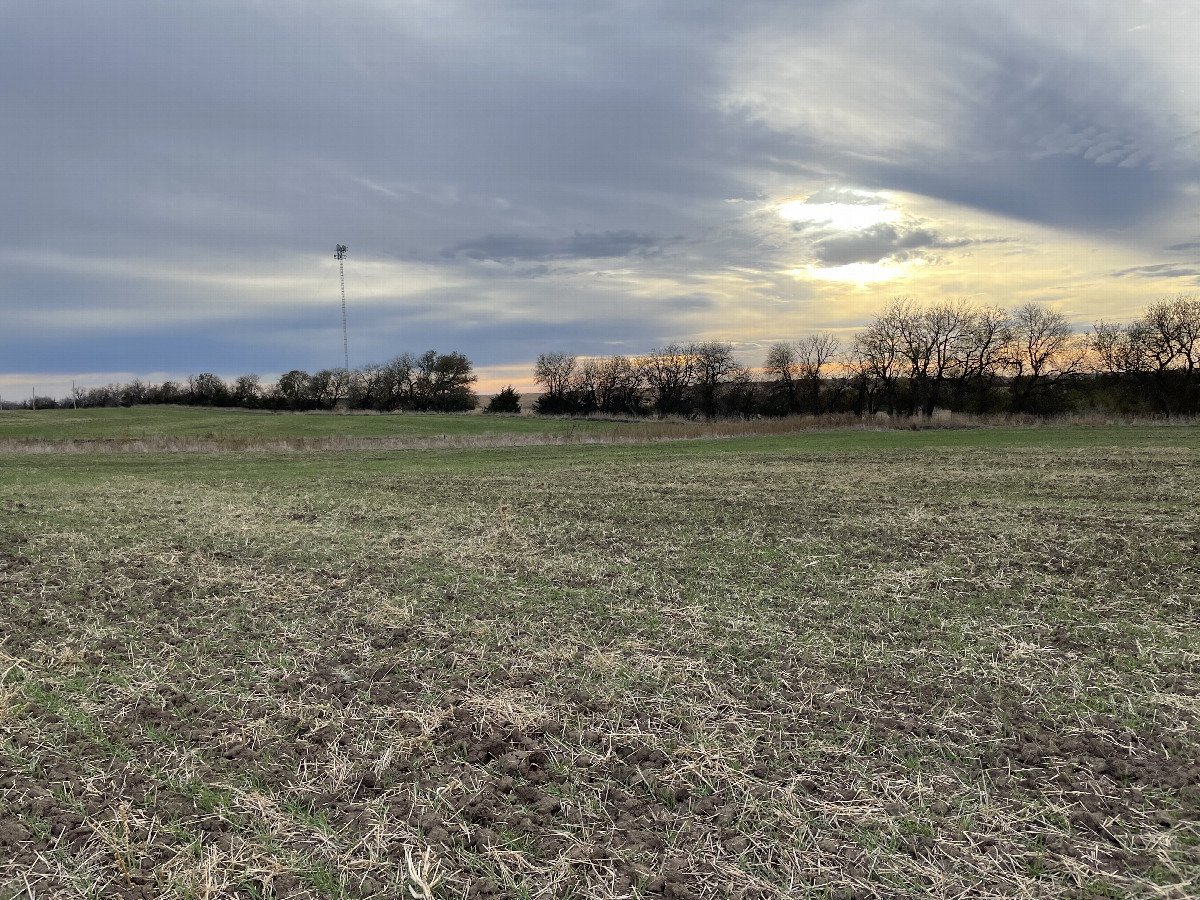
(857, 273)
(842, 216)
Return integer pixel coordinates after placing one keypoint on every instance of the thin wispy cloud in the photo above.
(1161, 270)
(513, 247)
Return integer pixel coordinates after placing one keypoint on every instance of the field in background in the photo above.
(192, 429)
(143, 422)
(851, 663)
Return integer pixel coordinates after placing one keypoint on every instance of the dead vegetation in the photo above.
(947, 672)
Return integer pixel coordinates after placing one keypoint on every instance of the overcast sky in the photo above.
(517, 176)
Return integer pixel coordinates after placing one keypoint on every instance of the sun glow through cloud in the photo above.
(840, 216)
(833, 216)
(858, 273)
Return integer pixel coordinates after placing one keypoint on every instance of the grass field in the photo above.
(142, 422)
(192, 429)
(166, 429)
(846, 664)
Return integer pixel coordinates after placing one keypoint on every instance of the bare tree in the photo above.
(1043, 350)
(554, 372)
(368, 387)
(398, 384)
(983, 351)
(618, 386)
(585, 387)
(670, 372)
(713, 364)
(783, 369)
(878, 359)
(740, 398)
(1159, 351)
(292, 389)
(941, 341)
(246, 390)
(134, 393)
(939, 354)
(1109, 343)
(1171, 332)
(1187, 312)
(813, 356)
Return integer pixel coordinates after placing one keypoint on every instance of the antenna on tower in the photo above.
(339, 253)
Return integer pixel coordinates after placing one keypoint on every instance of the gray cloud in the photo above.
(841, 195)
(689, 302)
(1159, 270)
(880, 242)
(1049, 125)
(510, 247)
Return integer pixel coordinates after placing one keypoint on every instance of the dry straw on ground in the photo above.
(672, 673)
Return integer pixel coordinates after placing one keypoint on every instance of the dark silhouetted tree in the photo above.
(506, 401)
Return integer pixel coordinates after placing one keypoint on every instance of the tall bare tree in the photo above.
(670, 372)
(619, 388)
(1043, 351)
(878, 356)
(713, 364)
(813, 357)
(783, 369)
(554, 372)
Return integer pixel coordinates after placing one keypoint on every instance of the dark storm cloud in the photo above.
(510, 247)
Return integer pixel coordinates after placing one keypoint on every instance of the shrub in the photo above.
(507, 401)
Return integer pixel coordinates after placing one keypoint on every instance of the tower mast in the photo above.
(339, 254)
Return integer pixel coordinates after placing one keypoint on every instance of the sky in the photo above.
(513, 177)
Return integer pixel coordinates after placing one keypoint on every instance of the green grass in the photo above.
(189, 422)
(247, 429)
(885, 662)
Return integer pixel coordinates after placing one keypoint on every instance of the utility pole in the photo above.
(339, 254)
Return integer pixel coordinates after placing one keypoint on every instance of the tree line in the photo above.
(431, 381)
(911, 359)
